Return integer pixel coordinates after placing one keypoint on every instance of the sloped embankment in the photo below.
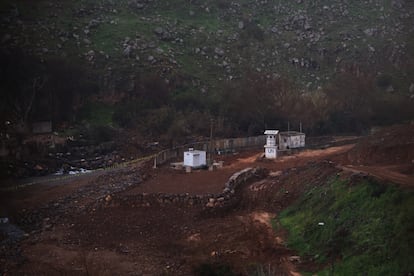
(390, 145)
(353, 227)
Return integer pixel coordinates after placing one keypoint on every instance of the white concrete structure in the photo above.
(194, 158)
(291, 140)
(271, 146)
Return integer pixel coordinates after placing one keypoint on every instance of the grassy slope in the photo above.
(367, 228)
(210, 24)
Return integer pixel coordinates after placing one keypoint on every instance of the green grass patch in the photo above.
(360, 229)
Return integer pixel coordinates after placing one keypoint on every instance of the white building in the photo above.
(291, 140)
(194, 158)
(271, 146)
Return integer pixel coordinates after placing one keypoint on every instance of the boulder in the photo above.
(219, 51)
(158, 31)
(411, 88)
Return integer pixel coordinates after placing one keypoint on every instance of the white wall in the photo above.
(291, 142)
(271, 152)
(195, 158)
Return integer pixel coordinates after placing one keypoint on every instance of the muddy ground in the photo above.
(73, 226)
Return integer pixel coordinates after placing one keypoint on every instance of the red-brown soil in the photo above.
(387, 154)
(69, 234)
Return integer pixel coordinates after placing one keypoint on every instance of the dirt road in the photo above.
(391, 173)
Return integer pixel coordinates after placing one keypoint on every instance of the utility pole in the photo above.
(211, 141)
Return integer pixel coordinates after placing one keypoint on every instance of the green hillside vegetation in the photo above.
(354, 228)
(206, 55)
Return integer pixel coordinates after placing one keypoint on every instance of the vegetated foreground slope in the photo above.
(353, 226)
(360, 221)
(337, 220)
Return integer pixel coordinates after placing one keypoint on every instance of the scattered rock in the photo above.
(294, 259)
(371, 49)
(127, 51)
(411, 88)
(370, 31)
(219, 51)
(135, 4)
(93, 23)
(108, 198)
(390, 88)
(158, 31)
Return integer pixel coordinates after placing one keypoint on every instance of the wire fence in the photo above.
(219, 147)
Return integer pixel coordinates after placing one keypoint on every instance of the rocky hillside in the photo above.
(207, 42)
(122, 75)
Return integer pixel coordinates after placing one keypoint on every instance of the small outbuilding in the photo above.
(291, 140)
(194, 158)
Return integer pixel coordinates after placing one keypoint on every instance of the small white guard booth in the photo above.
(194, 158)
(271, 146)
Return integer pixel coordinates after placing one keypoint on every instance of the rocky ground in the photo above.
(137, 220)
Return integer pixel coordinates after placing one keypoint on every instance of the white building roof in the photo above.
(291, 133)
(271, 132)
(194, 152)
